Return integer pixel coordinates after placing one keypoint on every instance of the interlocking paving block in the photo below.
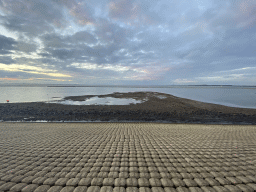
(233, 188)
(216, 174)
(120, 182)
(30, 188)
(97, 181)
(119, 189)
(106, 189)
(39, 180)
(201, 182)
(252, 185)
(245, 180)
(73, 182)
(212, 182)
(55, 189)
(186, 176)
(80, 189)
(144, 175)
(245, 188)
(17, 179)
(123, 174)
(108, 182)
(190, 182)
(93, 189)
(71, 174)
(85, 181)
(28, 179)
(18, 187)
(68, 189)
(134, 175)
(7, 178)
(195, 189)
(182, 189)
(208, 189)
(154, 182)
(178, 182)
(170, 189)
(234, 180)
(7, 186)
(81, 175)
(132, 189)
(143, 182)
(157, 189)
(196, 175)
(145, 189)
(61, 181)
(220, 189)
(42, 188)
(223, 181)
(113, 174)
(131, 182)
(166, 182)
(176, 175)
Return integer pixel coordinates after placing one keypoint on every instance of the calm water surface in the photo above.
(234, 96)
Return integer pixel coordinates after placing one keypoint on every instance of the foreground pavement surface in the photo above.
(126, 157)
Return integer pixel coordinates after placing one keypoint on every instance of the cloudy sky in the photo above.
(138, 42)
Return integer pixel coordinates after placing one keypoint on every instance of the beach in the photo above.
(127, 157)
(156, 107)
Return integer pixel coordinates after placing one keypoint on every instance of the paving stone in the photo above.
(73, 182)
(55, 189)
(208, 189)
(39, 180)
(190, 182)
(108, 182)
(18, 187)
(252, 185)
(143, 182)
(119, 189)
(212, 182)
(221, 189)
(93, 189)
(155, 182)
(7, 186)
(106, 189)
(80, 189)
(157, 189)
(178, 182)
(120, 182)
(42, 188)
(201, 182)
(233, 188)
(132, 189)
(61, 181)
(195, 189)
(30, 188)
(170, 189)
(245, 188)
(166, 182)
(145, 189)
(68, 189)
(182, 189)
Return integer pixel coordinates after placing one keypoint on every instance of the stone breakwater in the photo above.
(126, 157)
(157, 107)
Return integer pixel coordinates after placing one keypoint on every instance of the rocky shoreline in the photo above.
(157, 107)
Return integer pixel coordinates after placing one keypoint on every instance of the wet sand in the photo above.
(158, 107)
(127, 157)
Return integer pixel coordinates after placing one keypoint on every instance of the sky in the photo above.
(128, 42)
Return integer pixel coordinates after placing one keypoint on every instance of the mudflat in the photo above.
(123, 157)
(157, 107)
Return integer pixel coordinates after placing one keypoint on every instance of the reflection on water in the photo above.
(100, 101)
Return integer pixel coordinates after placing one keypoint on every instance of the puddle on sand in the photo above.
(100, 101)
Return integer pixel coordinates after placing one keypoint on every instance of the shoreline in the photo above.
(157, 107)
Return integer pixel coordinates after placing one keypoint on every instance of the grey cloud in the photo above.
(6, 60)
(6, 44)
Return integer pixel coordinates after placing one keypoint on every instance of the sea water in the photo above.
(234, 96)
